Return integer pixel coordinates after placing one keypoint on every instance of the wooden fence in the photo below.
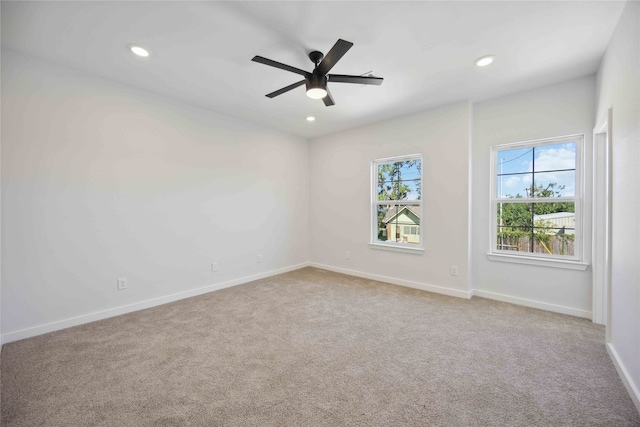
(557, 245)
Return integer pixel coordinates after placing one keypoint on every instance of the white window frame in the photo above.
(374, 243)
(569, 262)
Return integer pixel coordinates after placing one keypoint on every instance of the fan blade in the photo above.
(337, 51)
(285, 89)
(328, 100)
(363, 80)
(280, 65)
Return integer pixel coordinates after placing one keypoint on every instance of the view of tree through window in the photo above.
(536, 199)
(398, 203)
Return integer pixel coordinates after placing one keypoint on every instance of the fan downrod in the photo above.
(316, 57)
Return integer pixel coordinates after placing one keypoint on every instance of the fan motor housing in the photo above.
(316, 81)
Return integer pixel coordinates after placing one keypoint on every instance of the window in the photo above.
(536, 199)
(397, 203)
(411, 229)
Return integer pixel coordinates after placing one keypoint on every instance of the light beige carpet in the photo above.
(315, 348)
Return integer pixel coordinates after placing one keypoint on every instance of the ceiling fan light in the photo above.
(316, 93)
(316, 86)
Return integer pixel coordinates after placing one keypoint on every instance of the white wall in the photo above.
(562, 109)
(341, 198)
(619, 89)
(101, 181)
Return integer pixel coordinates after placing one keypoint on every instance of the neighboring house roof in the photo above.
(555, 215)
(391, 214)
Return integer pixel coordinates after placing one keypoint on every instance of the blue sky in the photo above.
(513, 164)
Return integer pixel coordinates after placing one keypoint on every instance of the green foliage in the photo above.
(390, 183)
(518, 217)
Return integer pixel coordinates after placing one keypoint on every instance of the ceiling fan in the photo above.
(316, 81)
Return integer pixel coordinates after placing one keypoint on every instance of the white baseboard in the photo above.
(624, 376)
(394, 281)
(533, 304)
(116, 311)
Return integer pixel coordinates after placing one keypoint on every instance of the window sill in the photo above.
(553, 263)
(396, 248)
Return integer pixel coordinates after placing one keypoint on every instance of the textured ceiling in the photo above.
(201, 51)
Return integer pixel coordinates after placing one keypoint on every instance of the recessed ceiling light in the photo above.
(484, 60)
(140, 51)
(310, 118)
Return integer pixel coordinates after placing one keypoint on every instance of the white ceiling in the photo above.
(201, 51)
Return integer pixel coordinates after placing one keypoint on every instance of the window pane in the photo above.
(555, 157)
(399, 223)
(514, 172)
(384, 212)
(555, 184)
(541, 171)
(544, 228)
(516, 185)
(515, 161)
(399, 180)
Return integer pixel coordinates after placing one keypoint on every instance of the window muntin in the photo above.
(536, 203)
(397, 201)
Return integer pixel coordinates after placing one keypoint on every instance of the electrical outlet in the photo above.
(122, 283)
(347, 255)
(259, 258)
(454, 270)
(214, 266)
